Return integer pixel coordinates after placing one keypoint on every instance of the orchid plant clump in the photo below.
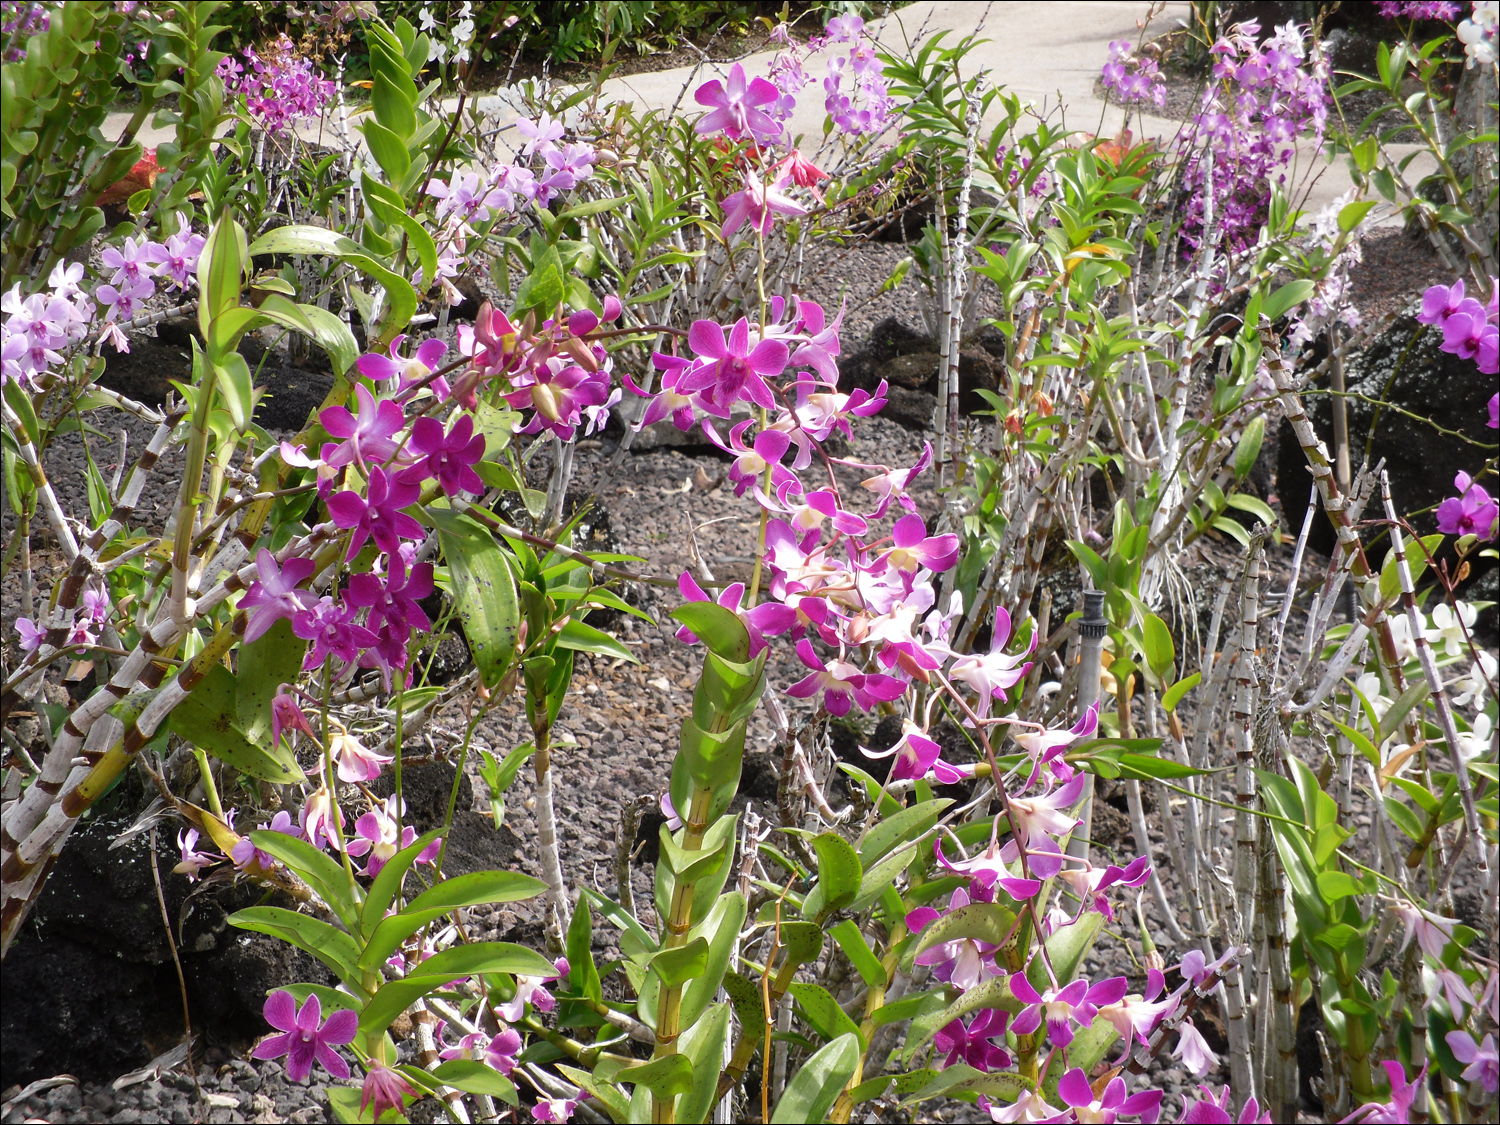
(960, 895)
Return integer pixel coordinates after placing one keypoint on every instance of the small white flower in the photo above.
(1475, 687)
(1368, 685)
(1451, 628)
(1475, 742)
(1406, 648)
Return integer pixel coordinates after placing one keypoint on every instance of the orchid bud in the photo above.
(612, 308)
(582, 322)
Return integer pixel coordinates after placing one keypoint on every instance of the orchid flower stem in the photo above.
(209, 788)
(336, 817)
(765, 484)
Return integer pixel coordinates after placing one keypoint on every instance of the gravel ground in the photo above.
(622, 717)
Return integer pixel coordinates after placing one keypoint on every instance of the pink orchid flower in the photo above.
(732, 369)
(757, 204)
(369, 438)
(734, 107)
(842, 684)
(275, 595)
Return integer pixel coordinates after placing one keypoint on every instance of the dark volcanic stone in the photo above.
(1405, 367)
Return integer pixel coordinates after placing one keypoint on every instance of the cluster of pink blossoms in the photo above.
(1470, 332)
(1244, 136)
(38, 329)
(279, 87)
(1133, 77)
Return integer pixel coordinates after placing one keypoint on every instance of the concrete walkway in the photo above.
(1048, 53)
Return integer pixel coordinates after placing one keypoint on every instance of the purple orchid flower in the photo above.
(989, 869)
(1397, 1111)
(915, 753)
(428, 357)
(558, 392)
(1090, 883)
(540, 134)
(1215, 1109)
(316, 820)
(822, 343)
(303, 1039)
(1194, 1050)
(555, 1111)
(395, 600)
(669, 401)
(892, 484)
(915, 549)
(1078, 1094)
(368, 438)
(384, 1089)
(131, 262)
(1465, 329)
(766, 618)
(466, 196)
(179, 258)
(819, 413)
(1046, 747)
(750, 462)
(332, 630)
(842, 684)
(1482, 1060)
(1136, 1017)
(276, 595)
(733, 370)
(1076, 1002)
(357, 762)
(734, 107)
(757, 204)
(1471, 512)
(972, 1044)
(380, 516)
(1034, 818)
(1440, 301)
(963, 962)
(993, 673)
(122, 301)
(286, 714)
(375, 836)
(816, 507)
(31, 636)
(246, 856)
(531, 990)
(193, 861)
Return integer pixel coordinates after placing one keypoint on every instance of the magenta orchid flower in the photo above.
(1035, 818)
(375, 835)
(540, 134)
(333, 632)
(555, 1111)
(384, 1089)
(316, 820)
(368, 438)
(531, 990)
(380, 516)
(842, 684)
(973, 1044)
(915, 549)
(247, 857)
(734, 107)
(1047, 747)
(732, 369)
(1481, 1060)
(963, 962)
(447, 456)
(892, 484)
(1397, 1111)
(357, 763)
(819, 413)
(988, 869)
(427, 358)
(914, 752)
(275, 595)
(750, 462)
(32, 637)
(1136, 1017)
(992, 674)
(758, 203)
(558, 392)
(1090, 883)
(1471, 512)
(1215, 1110)
(669, 401)
(304, 1038)
(1076, 1002)
(193, 861)
(1078, 1094)
(766, 618)
(132, 261)
(822, 342)
(396, 600)
(287, 715)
